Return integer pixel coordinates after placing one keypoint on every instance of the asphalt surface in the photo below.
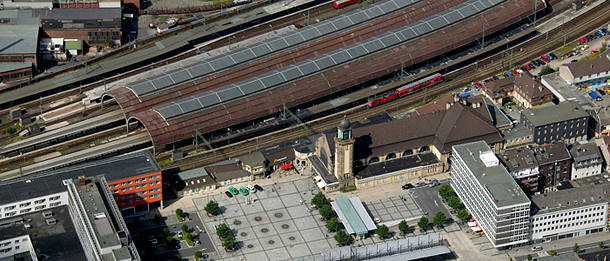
(587, 252)
(428, 200)
(161, 252)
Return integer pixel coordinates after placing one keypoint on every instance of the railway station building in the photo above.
(402, 149)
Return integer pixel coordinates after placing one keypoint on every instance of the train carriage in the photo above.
(344, 3)
(408, 89)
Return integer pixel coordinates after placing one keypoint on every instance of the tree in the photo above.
(445, 191)
(382, 231)
(601, 244)
(463, 214)
(454, 202)
(403, 226)
(439, 219)
(576, 248)
(342, 237)
(229, 242)
(319, 200)
(212, 207)
(169, 239)
(188, 236)
(327, 212)
(223, 230)
(530, 257)
(546, 70)
(166, 231)
(185, 228)
(198, 254)
(423, 222)
(553, 253)
(333, 224)
(177, 257)
(179, 214)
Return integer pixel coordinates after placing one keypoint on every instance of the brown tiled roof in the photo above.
(588, 67)
(441, 105)
(531, 88)
(461, 124)
(395, 135)
(500, 85)
(287, 153)
(223, 168)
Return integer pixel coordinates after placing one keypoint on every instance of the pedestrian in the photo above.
(301, 201)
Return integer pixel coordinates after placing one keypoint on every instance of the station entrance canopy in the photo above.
(353, 215)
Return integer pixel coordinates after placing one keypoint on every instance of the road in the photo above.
(428, 200)
(587, 252)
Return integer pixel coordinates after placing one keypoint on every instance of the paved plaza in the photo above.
(393, 210)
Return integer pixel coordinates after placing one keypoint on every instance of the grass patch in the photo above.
(593, 56)
(166, 162)
(348, 188)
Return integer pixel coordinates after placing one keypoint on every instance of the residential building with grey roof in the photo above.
(490, 194)
(566, 121)
(591, 74)
(587, 160)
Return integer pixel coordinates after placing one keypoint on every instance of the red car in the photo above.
(594, 51)
(526, 67)
(545, 59)
(478, 84)
(570, 54)
(515, 72)
(582, 40)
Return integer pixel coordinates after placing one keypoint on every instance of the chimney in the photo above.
(479, 104)
(449, 105)
(540, 88)
(81, 180)
(520, 75)
(455, 97)
(474, 105)
(591, 66)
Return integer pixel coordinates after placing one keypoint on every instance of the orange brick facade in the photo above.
(139, 190)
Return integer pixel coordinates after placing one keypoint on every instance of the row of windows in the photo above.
(567, 225)
(126, 202)
(567, 219)
(27, 204)
(129, 182)
(157, 182)
(226, 182)
(580, 211)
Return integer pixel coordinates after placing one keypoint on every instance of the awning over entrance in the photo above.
(286, 166)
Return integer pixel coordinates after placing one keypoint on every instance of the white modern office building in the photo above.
(569, 213)
(490, 194)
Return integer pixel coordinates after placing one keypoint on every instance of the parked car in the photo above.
(478, 84)
(420, 184)
(233, 190)
(244, 191)
(577, 52)
(525, 67)
(594, 51)
(540, 62)
(536, 248)
(259, 188)
(597, 34)
(152, 239)
(545, 59)
(532, 66)
(605, 31)
(574, 61)
(570, 54)
(196, 241)
(491, 79)
(433, 184)
(553, 56)
(229, 194)
(495, 77)
(251, 189)
(515, 72)
(407, 186)
(179, 234)
(510, 74)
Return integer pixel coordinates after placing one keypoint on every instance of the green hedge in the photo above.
(348, 188)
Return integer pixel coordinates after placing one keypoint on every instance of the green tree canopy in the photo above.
(327, 212)
(382, 231)
(166, 231)
(529, 258)
(462, 214)
(445, 191)
(333, 224)
(229, 242)
(576, 248)
(403, 226)
(439, 219)
(188, 236)
(319, 200)
(423, 222)
(177, 257)
(169, 239)
(342, 237)
(553, 253)
(185, 228)
(223, 230)
(601, 244)
(212, 207)
(454, 202)
(179, 212)
(546, 70)
(197, 254)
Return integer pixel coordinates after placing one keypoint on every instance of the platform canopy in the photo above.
(353, 215)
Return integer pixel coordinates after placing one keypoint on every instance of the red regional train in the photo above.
(344, 3)
(408, 89)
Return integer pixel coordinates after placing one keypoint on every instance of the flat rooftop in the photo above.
(571, 198)
(45, 237)
(494, 177)
(394, 165)
(19, 36)
(46, 183)
(563, 111)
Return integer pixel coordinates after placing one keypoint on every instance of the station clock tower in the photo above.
(344, 154)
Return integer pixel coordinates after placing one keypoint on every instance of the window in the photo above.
(155, 196)
(155, 182)
(140, 186)
(125, 183)
(154, 177)
(54, 204)
(140, 193)
(113, 185)
(126, 189)
(40, 201)
(25, 210)
(154, 190)
(9, 208)
(53, 198)
(22, 205)
(40, 207)
(127, 202)
(140, 199)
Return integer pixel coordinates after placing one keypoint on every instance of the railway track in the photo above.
(535, 47)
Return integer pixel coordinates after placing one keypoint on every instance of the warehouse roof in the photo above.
(7, 67)
(19, 36)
